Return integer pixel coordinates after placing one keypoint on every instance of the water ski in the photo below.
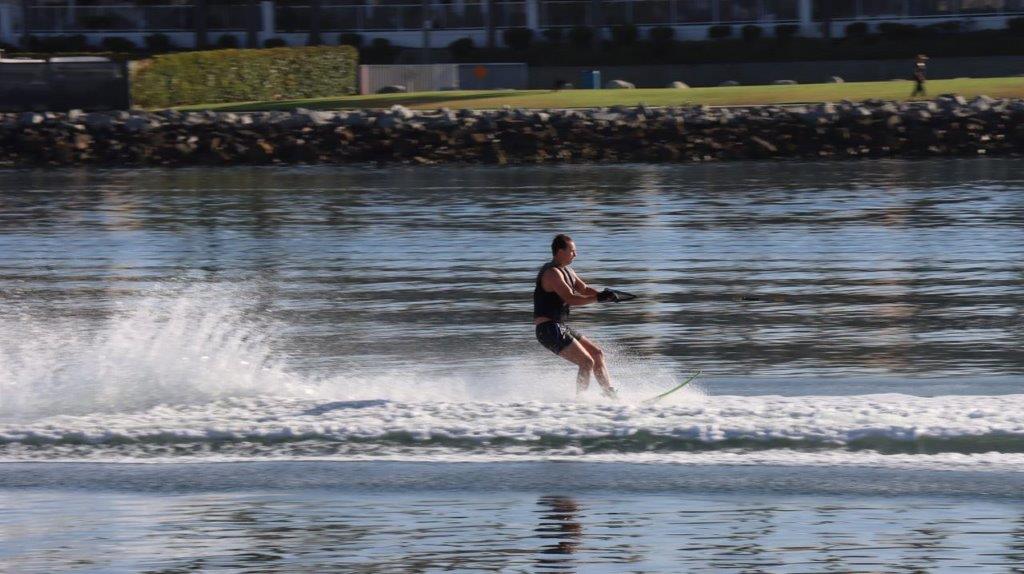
(673, 389)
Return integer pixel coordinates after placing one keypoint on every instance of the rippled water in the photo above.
(509, 518)
(858, 318)
(517, 533)
(908, 268)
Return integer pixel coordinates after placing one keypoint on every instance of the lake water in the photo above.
(305, 369)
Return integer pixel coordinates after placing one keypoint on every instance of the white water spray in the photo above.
(182, 347)
(198, 344)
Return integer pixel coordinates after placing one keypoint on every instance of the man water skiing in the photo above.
(558, 287)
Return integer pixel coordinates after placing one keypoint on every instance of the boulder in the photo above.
(784, 83)
(619, 85)
(30, 119)
(763, 145)
(138, 124)
(951, 100)
(321, 118)
(396, 89)
(918, 115)
(98, 121)
(858, 112)
(402, 112)
(729, 83)
(356, 119)
(982, 103)
(388, 122)
(677, 85)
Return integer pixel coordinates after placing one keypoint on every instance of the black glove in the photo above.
(607, 296)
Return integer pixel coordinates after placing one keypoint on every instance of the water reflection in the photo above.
(561, 526)
(325, 531)
(796, 268)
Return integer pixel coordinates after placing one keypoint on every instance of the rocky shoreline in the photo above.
(946, 126)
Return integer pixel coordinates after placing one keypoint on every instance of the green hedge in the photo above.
(240, 75)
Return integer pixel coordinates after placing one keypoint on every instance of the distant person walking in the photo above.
(920, 65)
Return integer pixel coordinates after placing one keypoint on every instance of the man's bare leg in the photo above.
(600, 368)
(578, 355)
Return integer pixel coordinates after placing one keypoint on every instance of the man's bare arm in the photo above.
(557, 283)
(581, 287)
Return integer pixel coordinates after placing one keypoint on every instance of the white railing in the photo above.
(567, 13)
(121, 18)
(472, 14)
(910, 9)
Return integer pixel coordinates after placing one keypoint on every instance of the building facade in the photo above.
(437, 23)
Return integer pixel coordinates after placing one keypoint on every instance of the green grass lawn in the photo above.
(739, 95)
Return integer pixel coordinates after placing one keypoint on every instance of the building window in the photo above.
(693, 11)
(781, 10)
(840, 9)
(739, 10)
(982, 6)
(932, 7)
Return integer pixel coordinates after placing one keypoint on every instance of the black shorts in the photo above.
(556, 336)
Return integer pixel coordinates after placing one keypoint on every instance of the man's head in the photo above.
(563, 250)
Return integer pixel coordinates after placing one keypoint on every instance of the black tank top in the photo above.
(548, 303)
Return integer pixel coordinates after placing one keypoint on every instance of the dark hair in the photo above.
(561, 241)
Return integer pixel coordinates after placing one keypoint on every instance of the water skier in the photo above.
(557, 288)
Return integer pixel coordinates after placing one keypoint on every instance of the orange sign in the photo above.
(480, 72)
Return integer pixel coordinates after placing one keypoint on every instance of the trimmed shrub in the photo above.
(948, 27)
(517, 38)
(661, 34)
(103, 21)
(117, 44)
(857, 29)
(786, 31)
(553, 35)
(624, 35)
(227, 41)
(350, 39)
(73, 43)
(719, 31)
(751, 32)
(462, 49)
(380, 51)
(581, 36)
(1015, 26)
(159, 43)
(239, 75)
(274, 43)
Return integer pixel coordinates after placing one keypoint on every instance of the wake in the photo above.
(197, 345)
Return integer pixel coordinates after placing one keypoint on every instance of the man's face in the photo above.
(567, 254)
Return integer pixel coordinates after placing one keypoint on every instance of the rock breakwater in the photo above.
(947, 126)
